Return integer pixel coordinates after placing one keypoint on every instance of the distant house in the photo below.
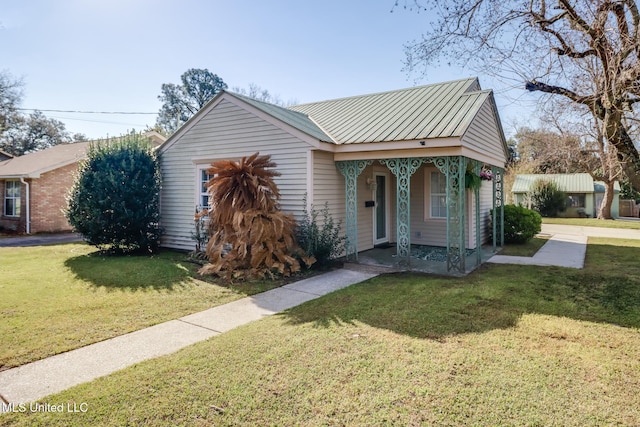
(34, 187)
(584, 195)
(391, 165)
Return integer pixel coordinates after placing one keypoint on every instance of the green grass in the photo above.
(59, 297)
(527, 249)
(506, 345)
(593, 222)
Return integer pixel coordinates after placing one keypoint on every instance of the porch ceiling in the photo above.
(413, 149)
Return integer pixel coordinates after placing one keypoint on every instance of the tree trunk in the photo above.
(628, 155)
(604, 211)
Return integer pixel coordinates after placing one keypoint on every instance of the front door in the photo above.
(381, 211)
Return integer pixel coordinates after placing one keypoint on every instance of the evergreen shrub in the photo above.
(520, 224)
(114, 201)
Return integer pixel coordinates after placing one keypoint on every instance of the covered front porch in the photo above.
(445, 214)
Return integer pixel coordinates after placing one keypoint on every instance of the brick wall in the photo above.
(49, 199)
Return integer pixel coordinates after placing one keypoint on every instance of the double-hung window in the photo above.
(203, 194)
(438, 195)
(12, 198)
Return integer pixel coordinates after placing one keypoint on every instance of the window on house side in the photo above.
(12, 198)
(438, 195)
(576, 201)
(203, 198)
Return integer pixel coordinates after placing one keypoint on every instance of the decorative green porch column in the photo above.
(403, 169)
(498, 207)
(351, 169)
(477, 168)
(454, 168)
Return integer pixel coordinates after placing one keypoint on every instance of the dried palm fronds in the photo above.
(250, 236)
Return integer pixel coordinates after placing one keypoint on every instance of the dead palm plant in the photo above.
(250, 235)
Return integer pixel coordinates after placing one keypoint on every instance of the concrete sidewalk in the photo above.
(39, 239)
(562, 250)
(567, 246)
(38, 379)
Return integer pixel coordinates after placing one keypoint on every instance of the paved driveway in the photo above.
(576, 230)
(39, 239)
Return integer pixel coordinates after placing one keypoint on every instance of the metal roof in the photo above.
(569, 183)
(599, 187)
(296, 119)
(423, 112)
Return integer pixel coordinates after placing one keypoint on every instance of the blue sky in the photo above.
(114, 55)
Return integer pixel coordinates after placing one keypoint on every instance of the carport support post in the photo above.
(351, 169)
(497, 219)
(477, 169)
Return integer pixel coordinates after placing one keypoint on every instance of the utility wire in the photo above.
(83, 112)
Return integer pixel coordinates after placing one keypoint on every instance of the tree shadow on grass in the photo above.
(130, 272)
(493, 297)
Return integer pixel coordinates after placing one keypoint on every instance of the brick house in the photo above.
(34, 187)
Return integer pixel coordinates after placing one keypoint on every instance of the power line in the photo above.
(84, 112)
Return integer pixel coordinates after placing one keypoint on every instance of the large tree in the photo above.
(181, 102)
(544, 151)
(20, 133)
(586, 51)
(26, 134)
(10, 98)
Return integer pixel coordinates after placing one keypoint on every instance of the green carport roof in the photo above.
(569, 183)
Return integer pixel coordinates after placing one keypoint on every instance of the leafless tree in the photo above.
(586, 51)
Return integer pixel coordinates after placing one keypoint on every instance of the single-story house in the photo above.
(584, 195)
(34, 187)
(390, 165)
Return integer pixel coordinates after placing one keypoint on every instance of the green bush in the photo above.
(322, 241)
(548, 199)
(114, 201)
(520, 224)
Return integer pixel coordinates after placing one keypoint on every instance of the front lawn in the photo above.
(59, 297)
(527, 249)
(506, 345)
(594, 222)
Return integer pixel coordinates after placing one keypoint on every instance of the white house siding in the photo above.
(433, 231)
(328, 185)
(482, 136)
(225, 132)
(425, 230)
(486, 204)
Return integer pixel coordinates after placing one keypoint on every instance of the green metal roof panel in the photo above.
(569, 183)
(432, 111)
(599, 187)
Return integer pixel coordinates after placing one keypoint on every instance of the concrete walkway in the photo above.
(562, 250)
(566, 247)
(38, 379)
(39, 239)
